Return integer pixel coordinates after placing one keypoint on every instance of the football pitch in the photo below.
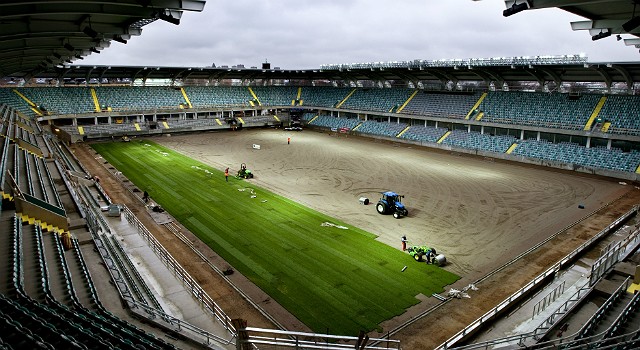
(332, 276)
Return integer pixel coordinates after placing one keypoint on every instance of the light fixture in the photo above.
(93, 49)
(57, 55)
(601, 35)
(119, 39)
(69, 47)
(516, 8)
(79, 57)
(165, 17)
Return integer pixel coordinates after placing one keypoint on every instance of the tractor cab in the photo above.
(391, 203)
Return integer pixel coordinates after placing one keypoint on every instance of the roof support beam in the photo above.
(625, 74)
(605, 75)
(556, 78)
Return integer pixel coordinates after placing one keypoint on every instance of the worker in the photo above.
(404, 242)
(145, 196)
(431, 255)
(226, 174)
(288, 140)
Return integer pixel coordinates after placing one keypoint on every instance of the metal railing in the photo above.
(548, 299)
(183, 326)
(601, 312)
(491, 314)
(189, 282)
(275, 339)
(613, 254)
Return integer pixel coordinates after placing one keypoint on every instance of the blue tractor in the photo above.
(391, 203)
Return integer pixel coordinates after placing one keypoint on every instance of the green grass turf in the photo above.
(334, 280)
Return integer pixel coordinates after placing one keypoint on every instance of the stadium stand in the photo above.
(623, 114)
(131, 98)
(424, 133)
(599, 157)
(333, 122)
(381, 128)
(218, 96)
(554, 110)
(46, 282)
(478, 141)
(62, 100)
(323, 96)
(431, 103)
(9, 98)
(376, 99)
(276, 95)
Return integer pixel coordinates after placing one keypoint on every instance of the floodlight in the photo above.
(69, 47)
(93, 49)
(601, 35)
(163, 16)
(515, 8)
(631, 24)
(119, 39)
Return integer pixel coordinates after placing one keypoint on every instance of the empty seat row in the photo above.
(381, 128)
(446, 105)
(333, 122)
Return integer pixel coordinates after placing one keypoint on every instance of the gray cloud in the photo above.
(305, 34)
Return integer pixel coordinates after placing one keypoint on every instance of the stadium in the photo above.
(266, 208)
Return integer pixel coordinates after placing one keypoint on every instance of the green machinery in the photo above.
(244, 173)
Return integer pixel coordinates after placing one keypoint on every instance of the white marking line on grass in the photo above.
(328, 224)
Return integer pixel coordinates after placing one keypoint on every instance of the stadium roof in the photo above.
(39, 34)
(605, 73)
(42, 38)
(604, 17)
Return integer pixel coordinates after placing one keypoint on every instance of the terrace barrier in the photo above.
(542, 278)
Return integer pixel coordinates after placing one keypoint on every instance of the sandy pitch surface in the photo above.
(478, 212)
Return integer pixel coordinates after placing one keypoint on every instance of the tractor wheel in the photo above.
(418, 257)
(396, 215)
(381, 208)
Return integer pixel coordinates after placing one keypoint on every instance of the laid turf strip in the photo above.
(332, 279)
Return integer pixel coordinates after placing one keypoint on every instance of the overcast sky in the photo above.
(304, 34)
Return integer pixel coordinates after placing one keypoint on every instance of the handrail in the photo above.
(173, 228)
(136, 277)
(595, 318)
(613, 255)
(189, 282)
(304, 340)
(549, 272)
(180, 324)
(622, 318)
